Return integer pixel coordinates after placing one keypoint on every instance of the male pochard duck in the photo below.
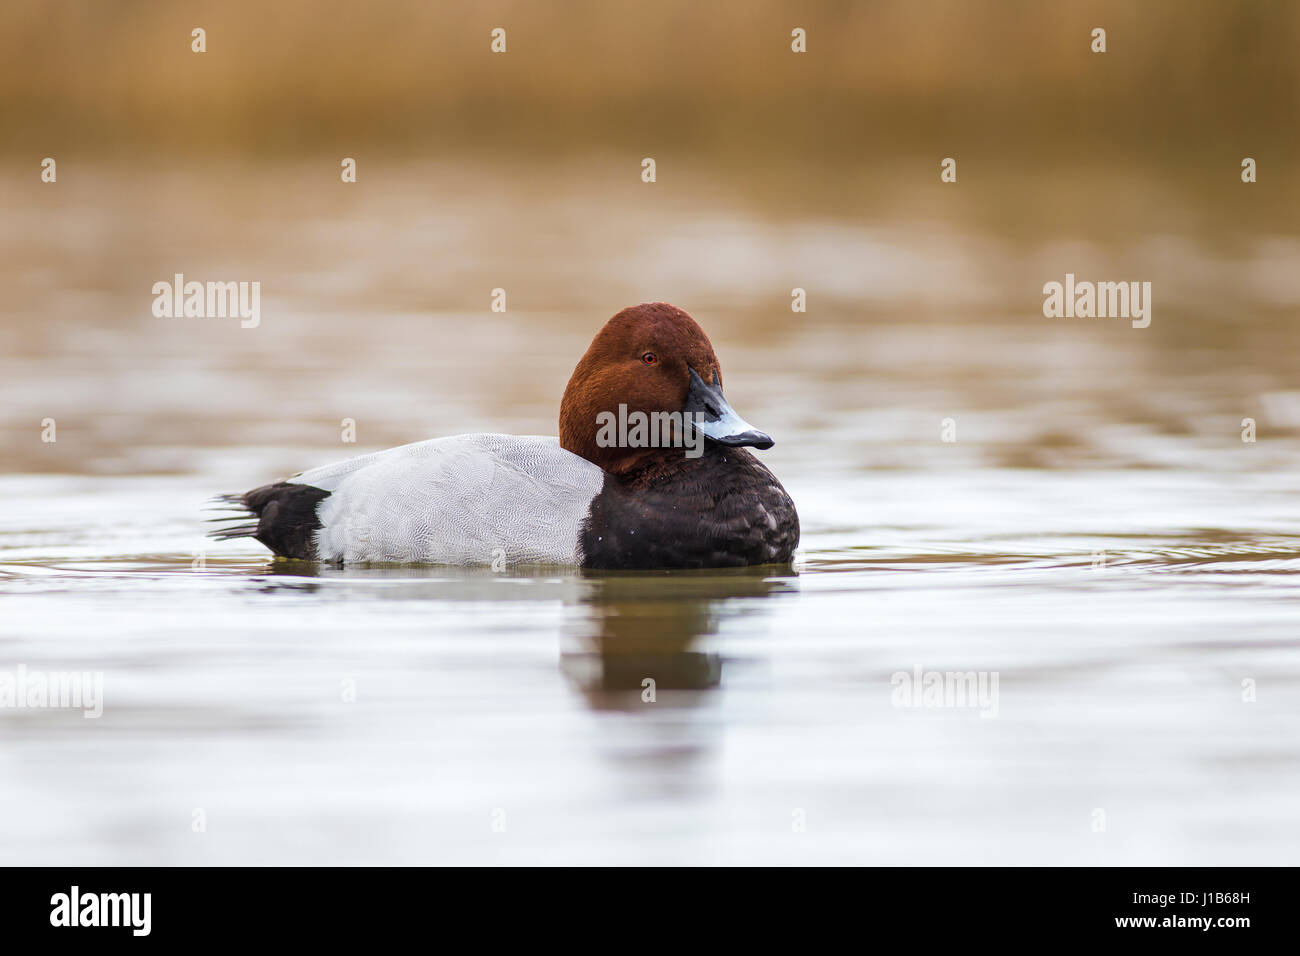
(601, 496)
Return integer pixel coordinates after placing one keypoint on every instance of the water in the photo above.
(1098, 537)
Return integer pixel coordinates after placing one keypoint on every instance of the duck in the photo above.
(650, 471)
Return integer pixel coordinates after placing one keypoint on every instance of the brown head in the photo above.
(649, 358)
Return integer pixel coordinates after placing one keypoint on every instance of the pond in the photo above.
(1094, 522)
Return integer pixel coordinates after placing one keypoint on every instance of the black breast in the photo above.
(723, 509)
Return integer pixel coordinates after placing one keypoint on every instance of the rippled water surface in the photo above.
(1098, 536)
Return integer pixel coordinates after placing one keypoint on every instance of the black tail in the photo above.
(282, 516)
(232, 503)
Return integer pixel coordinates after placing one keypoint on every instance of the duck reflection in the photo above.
(641, 642)
(629, 638)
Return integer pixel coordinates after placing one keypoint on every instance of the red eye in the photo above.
(650, 358)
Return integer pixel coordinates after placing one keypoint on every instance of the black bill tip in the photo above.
(752, 439)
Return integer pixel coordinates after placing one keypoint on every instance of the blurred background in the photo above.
(521, 171)
(1075, 438)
